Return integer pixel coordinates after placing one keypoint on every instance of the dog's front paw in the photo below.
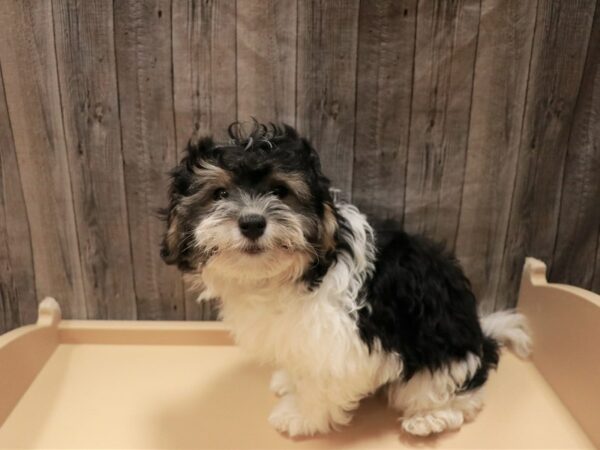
(287, 418)
(433, 422)
(281, 383)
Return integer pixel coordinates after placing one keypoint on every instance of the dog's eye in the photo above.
(220, 194)
(280, 191)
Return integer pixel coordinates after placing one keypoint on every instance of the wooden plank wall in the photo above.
(473, 121)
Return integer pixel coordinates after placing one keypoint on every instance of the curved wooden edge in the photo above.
(23, 353)
(534, 274)
(565, 322)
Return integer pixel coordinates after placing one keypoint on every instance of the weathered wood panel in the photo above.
(326, 78)
(145, 84)
(18, 302)
(87, 73)
(204, 72)
(499, 88)
(386, 44)
(472, 122)
(446, 41)
(266, 60)
(204, 66)
(32, 95)
(574, 258)
(559, 48)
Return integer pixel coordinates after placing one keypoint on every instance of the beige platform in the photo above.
(78, 384)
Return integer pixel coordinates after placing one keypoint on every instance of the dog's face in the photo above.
(254, 208)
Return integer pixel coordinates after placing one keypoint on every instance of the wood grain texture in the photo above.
(474, 122)
(18, 303)
(386, 44)
(145, 84)
(499, 88)
(446, 41)
(559, 49)
(574, 258)
(266, 60)
(204, 62)
(87, 75)
(326, 78)
(31, 89)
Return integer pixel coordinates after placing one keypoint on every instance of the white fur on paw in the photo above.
(281, 383)
(433, 422)
(287, 418)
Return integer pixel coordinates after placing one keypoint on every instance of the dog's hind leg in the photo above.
(435, 402)
(463, 408)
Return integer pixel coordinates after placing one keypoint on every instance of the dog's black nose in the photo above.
(252, 226)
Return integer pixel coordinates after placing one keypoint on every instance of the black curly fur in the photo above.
(420, 306)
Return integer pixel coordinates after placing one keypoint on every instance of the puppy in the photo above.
(304, 287)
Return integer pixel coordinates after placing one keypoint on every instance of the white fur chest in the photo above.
(286, 325)
(307, 333)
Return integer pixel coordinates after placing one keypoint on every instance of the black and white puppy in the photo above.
(304, 287)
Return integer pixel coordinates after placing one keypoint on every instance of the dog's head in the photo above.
(256, 207)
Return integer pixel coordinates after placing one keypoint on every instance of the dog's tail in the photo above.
(509, 328)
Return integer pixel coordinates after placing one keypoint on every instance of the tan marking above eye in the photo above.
(211, 173)
(295, 183)
(210, 178)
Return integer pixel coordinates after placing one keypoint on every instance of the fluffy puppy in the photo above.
(304, 287)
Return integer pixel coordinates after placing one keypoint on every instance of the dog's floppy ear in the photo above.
(177, 240)
(170, 249)
(321, 191)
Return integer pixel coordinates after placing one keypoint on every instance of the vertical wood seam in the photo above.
(12, 135)
(139, 130)
(173, 85)
(550, 263)
(353, 148)
(196, 116)
(356, 124)
(139, 127)
(66, 150)
(123, 159)
(410, 115)
(296, 67)
(235, 14)
(596, 269)
(564, 162)
(515, 175)
(183, 303)
(462, 187)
